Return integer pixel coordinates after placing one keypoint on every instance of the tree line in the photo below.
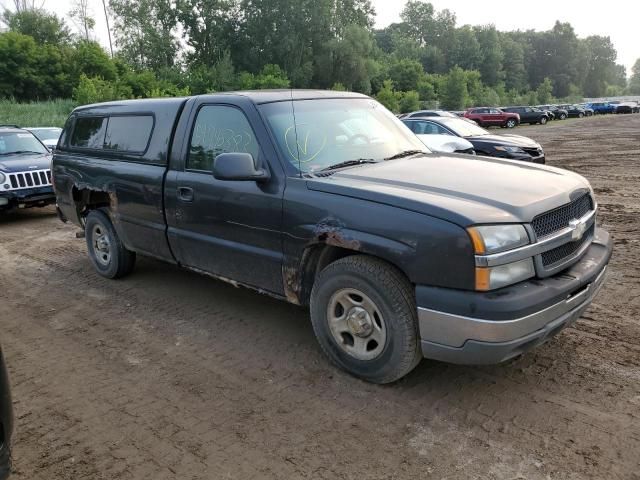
(169, 47)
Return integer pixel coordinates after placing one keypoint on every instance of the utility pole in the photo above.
(106, 17)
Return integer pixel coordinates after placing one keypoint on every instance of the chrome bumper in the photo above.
(459, 339)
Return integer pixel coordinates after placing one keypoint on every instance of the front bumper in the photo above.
(491, 327)
(28, 197)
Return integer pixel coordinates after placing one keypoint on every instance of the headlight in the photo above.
(3, 177)
(509, 149)
(490, 278)
(489, 239)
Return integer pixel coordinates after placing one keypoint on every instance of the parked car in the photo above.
(625, 107)
(601, 107)
(576, 111)
(6, 420)
(47, 135)
(530, 115)
(513, 147)
(25, 170)
(325, 199)
(558, 113)
(487, 117)
(429, 113)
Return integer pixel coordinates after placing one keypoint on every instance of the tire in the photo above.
(580, 115)
(387, 346)
(543, 120)
(107, 253)
(511, 123)
(563, 116)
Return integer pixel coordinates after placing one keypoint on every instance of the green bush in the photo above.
(408, 101)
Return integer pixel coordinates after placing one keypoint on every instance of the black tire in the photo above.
(563, 116)
(393, 296)
(511, 123)
(543, 120)
(580, 115)
(112, 260)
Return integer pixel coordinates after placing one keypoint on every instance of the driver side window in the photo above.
(219, 129)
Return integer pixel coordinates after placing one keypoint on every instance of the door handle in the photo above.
(185, 194)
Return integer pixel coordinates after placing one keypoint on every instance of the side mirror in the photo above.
(238, 166)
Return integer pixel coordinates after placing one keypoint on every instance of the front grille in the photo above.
(534, 152)
(563, 252)
(38, 178)
(559, 218)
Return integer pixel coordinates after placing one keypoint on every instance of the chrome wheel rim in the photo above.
(356, 324)
(101, 245)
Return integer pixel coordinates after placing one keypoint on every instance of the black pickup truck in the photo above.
(326, 200)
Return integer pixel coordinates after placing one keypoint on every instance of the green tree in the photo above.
(406, 74)
(408, 101)
(144, 32)
(544, 91)
(515, 77)
(90, 59)
(348, 60)
(387, 97)
(491, 63)
(602, 56)
(466, 52)
(42, 26)
(455, 95)
(634, 81)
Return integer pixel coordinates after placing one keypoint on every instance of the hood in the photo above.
(445, 143)
(24, 162)
(462, 189)
(508, 140)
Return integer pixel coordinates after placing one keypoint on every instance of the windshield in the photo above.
(462, 128)
(47, 133)
(328, 132)
(18, 142)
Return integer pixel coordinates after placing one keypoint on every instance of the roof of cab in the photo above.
(257, 96)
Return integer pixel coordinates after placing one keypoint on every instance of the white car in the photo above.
(47, 135)
(446, 143)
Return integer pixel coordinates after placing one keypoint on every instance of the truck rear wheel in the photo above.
(364, 316)
(107, 253)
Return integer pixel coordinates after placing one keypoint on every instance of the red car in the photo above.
(487, 116)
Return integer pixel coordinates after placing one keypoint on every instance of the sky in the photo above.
(618, 19)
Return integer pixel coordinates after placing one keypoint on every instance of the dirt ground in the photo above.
(170, 375)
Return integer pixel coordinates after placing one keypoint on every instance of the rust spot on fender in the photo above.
(331, 232)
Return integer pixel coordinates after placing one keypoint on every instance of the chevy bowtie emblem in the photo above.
(578, 228)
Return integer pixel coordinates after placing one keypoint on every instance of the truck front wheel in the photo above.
(364, 316)
(107, 253)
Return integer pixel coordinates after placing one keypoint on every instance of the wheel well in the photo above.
(316, 259)
(87, 200)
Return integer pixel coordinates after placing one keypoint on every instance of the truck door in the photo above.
(231, 229)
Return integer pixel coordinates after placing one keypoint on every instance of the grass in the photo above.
(50, 113)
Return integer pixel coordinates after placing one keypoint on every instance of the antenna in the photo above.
(295, 130)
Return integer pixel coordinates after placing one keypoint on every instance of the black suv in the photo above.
(530, 115)
(325, 199)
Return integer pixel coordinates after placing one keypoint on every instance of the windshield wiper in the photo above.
(18, 152)
(348, 163)
(406, 153)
